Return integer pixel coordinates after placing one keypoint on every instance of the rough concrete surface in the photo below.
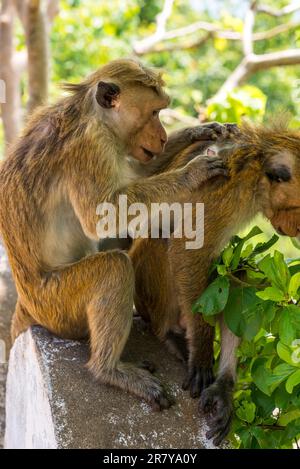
(58, 405)
(7, 305)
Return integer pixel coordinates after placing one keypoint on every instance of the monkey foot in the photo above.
(197, 380)
(216, 403)
(156, 396)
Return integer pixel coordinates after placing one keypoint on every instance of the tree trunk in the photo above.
(37, 40)
(11, 108)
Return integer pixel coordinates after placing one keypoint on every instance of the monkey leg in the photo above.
(21, 321)
(216, 400)
(200, 337)
(95, 296)
(155, 299)
(190, 269)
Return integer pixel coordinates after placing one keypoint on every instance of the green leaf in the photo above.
(238, 249)
(262, 247)
(245, 436)
(247, 251)
(271, 293)
(282, 397)
(294, 286)
(268, 380)
(265, 404)
(227, 255)
(287, 330)
(253, 232)
(241, 302)
(276, 271)
(253, 275)
(221, 269)
(292, 430)
(214, 298)
(286, 354)
(283, 270)
(288, 417)
(261, 437)
(269, 310)
(294, 313)
(211, 320)
(293, 381)
(246, 411)
(295, 243)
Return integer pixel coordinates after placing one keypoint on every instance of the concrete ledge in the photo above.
(52, 401)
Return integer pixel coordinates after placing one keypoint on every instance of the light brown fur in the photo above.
(264, 169)
(88, 148)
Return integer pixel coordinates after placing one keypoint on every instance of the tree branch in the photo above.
(278, 13)
(145, 45)
(248, 29)
(186, 45)
(254, 63)
(52, 9)
(11, 109)
(281, 28)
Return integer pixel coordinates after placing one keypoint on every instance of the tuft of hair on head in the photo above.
(252, 133)
(132, 71)
(75, 88)
(123, 72)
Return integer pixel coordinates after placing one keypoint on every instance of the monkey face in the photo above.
(133, 114)
(287, 222)
(284, 189)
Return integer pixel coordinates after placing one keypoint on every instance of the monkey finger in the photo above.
(217, 172)
(148, 365)
(186, 383)
(231, 128)
(197, 380)
(160, 403)
(219, 432)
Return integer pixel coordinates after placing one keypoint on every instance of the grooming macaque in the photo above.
(264, 177)
(88, 148)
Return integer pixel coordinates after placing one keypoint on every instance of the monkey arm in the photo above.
(165, 187)
(181, 139)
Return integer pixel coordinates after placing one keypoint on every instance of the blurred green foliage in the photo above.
(86, 34)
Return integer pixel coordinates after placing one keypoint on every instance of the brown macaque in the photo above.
(88, 148)
(264, 177)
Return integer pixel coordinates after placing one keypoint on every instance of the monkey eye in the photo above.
(274, 178)
(280, 173)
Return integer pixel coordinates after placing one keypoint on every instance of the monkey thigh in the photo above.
(155, 299)
(94, 295)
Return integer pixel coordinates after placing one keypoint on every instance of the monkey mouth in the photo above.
(148, 153)
(295, 233)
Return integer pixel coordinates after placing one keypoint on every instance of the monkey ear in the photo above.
(107, 94)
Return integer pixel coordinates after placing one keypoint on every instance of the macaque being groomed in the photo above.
(89, 148)
(264, 177)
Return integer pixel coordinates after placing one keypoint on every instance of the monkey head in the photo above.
(130, 97)
(276, 154)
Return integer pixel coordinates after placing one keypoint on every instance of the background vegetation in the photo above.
(223, 60)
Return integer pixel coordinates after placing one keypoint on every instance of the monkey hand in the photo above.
(212, 131)
(204, 167)
(198, 379)
(216, 403)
